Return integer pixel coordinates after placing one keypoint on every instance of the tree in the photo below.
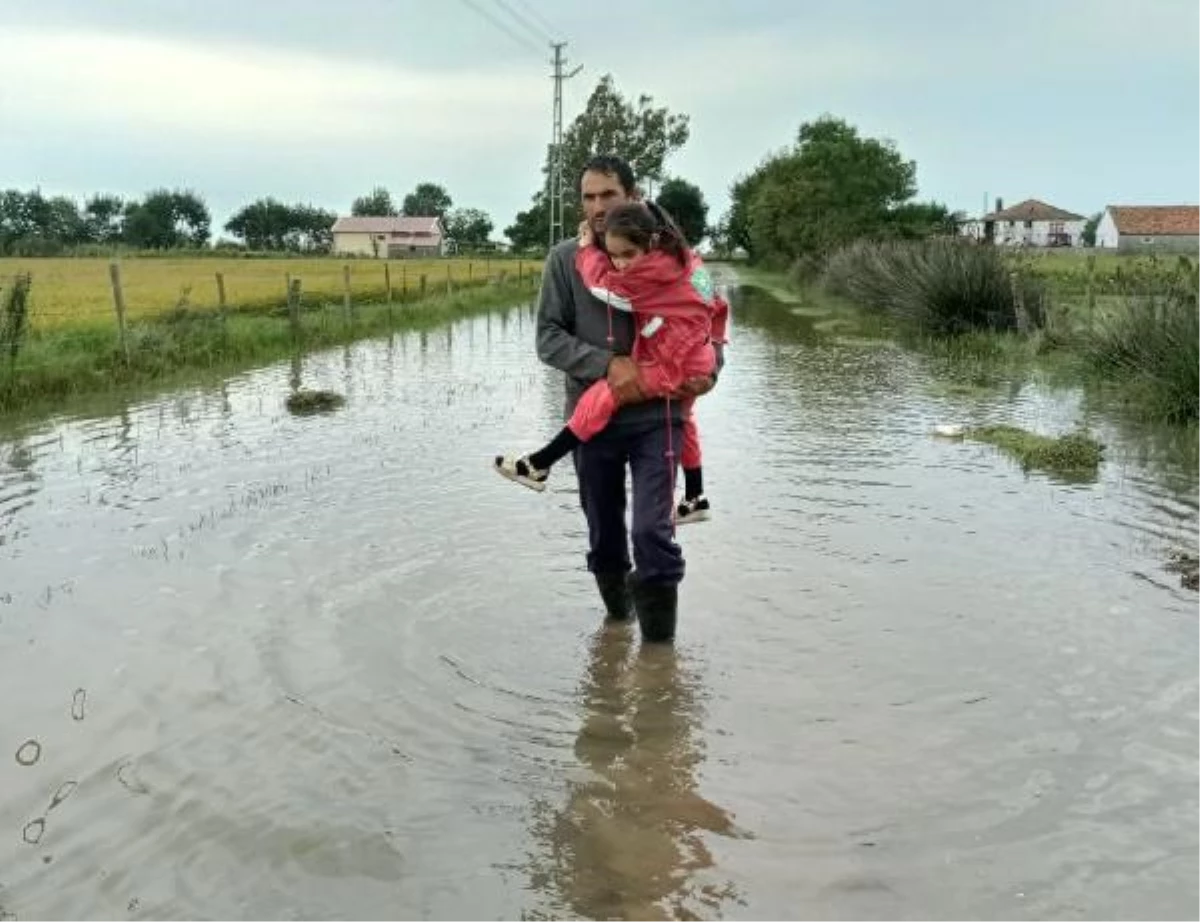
(268, 224)
(375, 204)
(1088, 236)
(426, 200)
(685, 203)
(918, 220)
(469, 227)
(167, 219)
(104, 216)
(831, 188)
(640, 133)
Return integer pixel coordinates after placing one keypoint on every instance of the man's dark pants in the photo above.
(600, 469)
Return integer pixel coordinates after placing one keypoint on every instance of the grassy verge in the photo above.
(57, 364)
(988, 314)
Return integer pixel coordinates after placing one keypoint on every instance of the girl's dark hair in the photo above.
(648, 227)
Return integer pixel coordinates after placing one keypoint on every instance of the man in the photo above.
(580, 336)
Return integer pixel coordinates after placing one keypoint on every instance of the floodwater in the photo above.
(255, 665)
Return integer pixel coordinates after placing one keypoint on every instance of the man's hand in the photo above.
(695, 387)
(623, 379)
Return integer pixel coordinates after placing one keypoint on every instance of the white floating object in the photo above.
(949, 432)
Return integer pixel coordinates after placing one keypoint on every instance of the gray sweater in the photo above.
(572, 336)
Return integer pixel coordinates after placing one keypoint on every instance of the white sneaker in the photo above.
(519, 470)
(696, 509)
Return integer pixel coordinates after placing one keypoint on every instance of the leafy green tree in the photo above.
(831, 188)
(167, 218)
(375, 204)
(685, 203)
(426, 200)
(470, 227)
(268, 224)
(643, 134)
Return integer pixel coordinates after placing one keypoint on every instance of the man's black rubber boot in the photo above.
(615, 593)
(657, 607)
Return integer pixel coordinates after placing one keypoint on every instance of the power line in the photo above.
(524, 40)
(526, 21)
(533, 14)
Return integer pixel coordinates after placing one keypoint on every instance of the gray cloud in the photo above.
(1078, 103)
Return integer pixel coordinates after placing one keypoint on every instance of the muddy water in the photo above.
(255, 665)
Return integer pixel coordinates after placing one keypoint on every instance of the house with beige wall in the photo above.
(398, 237)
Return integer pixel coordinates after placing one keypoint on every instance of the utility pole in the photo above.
(556, 191)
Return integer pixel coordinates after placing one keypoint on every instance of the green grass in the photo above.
(955, 304)
(940, 287)
(1076, 455)
(54, 365)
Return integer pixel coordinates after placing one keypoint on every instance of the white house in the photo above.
(1164, 228)
(1030, 223)
(389, 238)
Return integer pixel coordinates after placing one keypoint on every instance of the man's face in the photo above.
(601, 193)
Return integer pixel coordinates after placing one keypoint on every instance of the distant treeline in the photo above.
(34, 224)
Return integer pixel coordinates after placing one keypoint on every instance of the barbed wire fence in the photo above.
(51, 314)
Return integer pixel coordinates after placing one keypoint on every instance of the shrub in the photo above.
(1153, 341)
(943, 286)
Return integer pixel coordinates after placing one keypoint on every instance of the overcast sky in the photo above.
(1077, 103)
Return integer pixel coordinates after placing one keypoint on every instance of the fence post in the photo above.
(114, 274)
(387, 281)
(470, 272)
(221, 291)
(346, 291)
(449, 290)
(294, 307)
(423, 280)
(403, 282)
(520, 271)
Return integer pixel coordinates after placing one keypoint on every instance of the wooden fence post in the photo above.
(346, 292)
(294, 307)
(221, 291)
(423, 280)
(114, 274)
(387, 282)
(449, 290)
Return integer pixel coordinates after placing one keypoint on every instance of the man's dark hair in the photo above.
(612, 165)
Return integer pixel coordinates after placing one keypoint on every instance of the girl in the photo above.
(648, 269)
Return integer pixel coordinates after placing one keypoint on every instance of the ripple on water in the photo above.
(334, 666)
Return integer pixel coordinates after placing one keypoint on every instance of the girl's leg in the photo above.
(592, 413)
(695, 506)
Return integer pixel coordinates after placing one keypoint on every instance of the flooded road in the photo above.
(256, 665)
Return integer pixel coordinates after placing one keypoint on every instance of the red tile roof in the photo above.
(1157, 220)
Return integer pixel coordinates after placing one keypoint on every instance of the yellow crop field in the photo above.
(71, 291)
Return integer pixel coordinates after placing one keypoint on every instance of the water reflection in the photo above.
(629, 840)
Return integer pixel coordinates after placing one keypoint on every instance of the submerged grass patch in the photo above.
(1074, 455)
(306, 402)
